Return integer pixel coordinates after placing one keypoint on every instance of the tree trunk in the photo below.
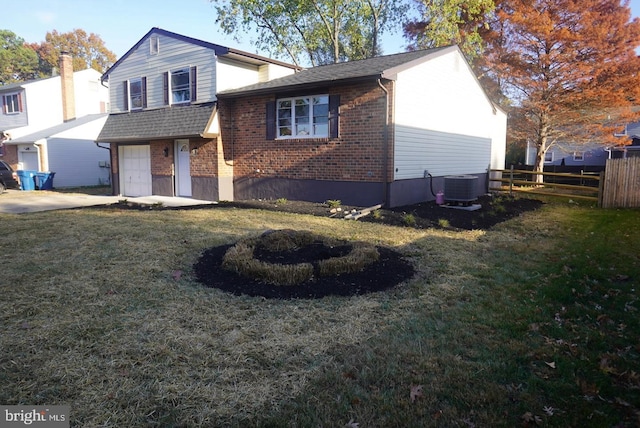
(541, 147)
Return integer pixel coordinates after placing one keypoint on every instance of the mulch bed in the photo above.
(390, 270)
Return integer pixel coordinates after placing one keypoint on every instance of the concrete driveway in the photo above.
(18, 202)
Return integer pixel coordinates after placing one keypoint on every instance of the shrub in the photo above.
(333, 203)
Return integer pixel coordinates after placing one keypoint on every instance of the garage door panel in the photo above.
(135, 170)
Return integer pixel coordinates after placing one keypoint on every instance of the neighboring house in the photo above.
(375, 131)
(588, 156)
(163, 128)
(51, 125)
(191, 118)
(70, 151)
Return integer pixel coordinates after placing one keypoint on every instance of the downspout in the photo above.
(385, 145)
(110, 160)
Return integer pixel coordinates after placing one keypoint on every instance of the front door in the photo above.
(183, 169)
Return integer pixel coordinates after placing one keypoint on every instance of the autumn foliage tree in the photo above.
(87, 50)
(569, 66)
(17, 61)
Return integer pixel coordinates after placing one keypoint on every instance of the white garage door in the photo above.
(135, 170)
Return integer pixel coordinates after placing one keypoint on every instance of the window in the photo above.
(548, 156)
(180, 86)
(578, 156)
(135, 94)
(11, 104)
(303, 117)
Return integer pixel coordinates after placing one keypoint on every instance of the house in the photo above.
(163, 126)
(385, 130)
(587, 156)
(574, 156)
(191, 118)
(51, 125)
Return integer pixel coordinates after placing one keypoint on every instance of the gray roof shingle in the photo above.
(169, 122)
(373, 68)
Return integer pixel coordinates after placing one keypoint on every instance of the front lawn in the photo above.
(532, 322)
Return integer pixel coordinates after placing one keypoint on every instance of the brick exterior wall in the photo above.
(357, 155)
(11, 156)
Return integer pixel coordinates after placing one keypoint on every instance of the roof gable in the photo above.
(219, 50)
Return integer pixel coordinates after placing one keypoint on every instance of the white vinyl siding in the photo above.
(450, 114)
(173, 54)
(234, 74)
(439, 153)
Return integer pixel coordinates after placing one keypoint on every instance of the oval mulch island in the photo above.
(286, 264)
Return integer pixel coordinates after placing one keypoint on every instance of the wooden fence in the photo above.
(616, 187)
(622, 183)
(585, 186)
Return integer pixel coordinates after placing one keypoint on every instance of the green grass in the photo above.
(535, 320)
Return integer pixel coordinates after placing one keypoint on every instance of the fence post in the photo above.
(511, 181)
(601, 189)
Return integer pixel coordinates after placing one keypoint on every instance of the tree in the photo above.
(18, 62)
(312, 31)
(570, 68)
(447, 22)
(88, 51)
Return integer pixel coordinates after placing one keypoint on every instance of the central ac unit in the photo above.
(460, 188)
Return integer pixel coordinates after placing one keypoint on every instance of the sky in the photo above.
(122, 23)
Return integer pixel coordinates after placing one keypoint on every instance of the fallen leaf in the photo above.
(176, 275)
(551, 364)
(548, 410)
(416, 392)
(352, 424)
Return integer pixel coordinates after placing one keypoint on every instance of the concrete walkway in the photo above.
(18, 202)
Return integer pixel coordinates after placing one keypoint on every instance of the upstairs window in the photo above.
(578, 156)
(303, 117)
(11, 104)
(135, 93)
(180, 86)
(548, 156)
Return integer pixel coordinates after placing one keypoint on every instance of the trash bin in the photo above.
(45, 180)
(27, 179)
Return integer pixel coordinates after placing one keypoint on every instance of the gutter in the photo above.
(385, 144)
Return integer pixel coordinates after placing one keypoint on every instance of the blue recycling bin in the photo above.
(45, 180)
(27, 179)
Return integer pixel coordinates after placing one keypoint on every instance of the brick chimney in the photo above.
(68, 95)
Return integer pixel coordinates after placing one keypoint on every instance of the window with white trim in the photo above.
(180, 85)
(135, 94)
(578, 156)
(548, 156)
(303, 117)
(11, 103)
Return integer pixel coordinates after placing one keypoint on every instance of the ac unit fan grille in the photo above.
(460, 188)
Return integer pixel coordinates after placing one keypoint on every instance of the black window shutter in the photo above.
(334, 115)
(194, 94)
(271, 120)
(165, 87)
(126, 94)
(144, 92)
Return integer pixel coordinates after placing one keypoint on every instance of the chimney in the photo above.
(68, 95)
